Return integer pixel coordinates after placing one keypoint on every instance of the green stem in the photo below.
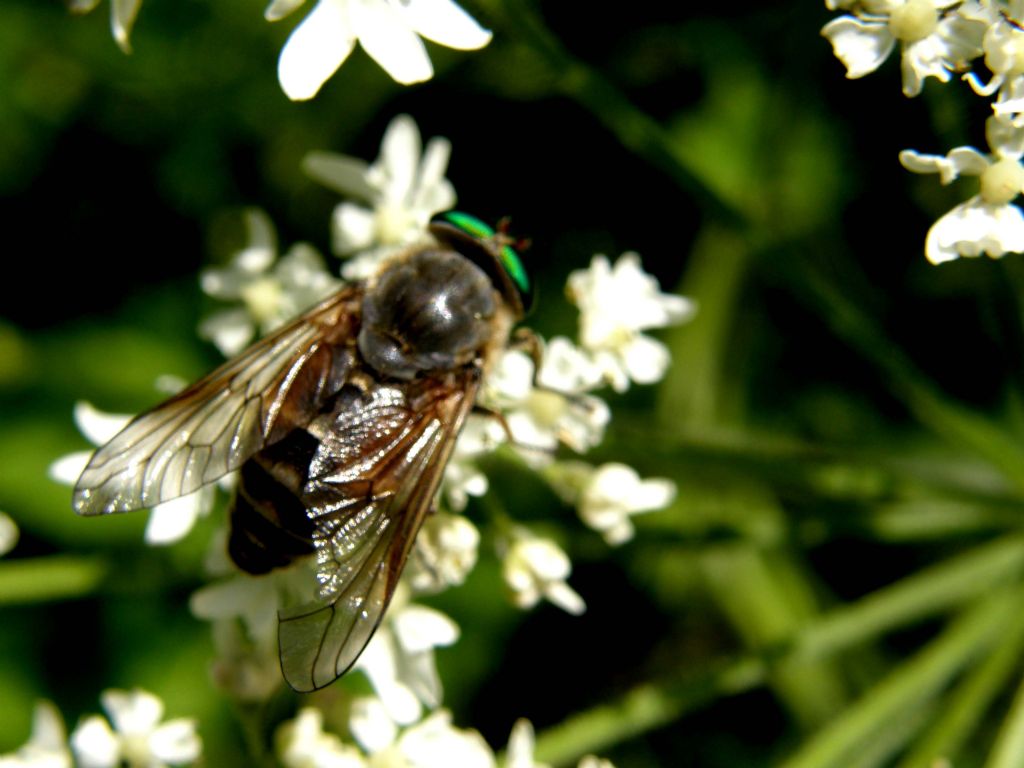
(967, 704)
(644, 708)
(931, 407)
(56, 577)
(631, 126)
(911, 686)
(653, 705)
(1008, 751)
(927, 592)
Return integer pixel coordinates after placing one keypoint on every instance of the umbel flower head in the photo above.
(138, 738)
(395, 196)
(617, 302)
(271, 290)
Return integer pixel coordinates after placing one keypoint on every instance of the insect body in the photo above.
(341, 425)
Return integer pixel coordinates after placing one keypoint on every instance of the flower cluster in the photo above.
(389, 32)
(538, 398)
(379, 742)
(940, 38)
(134, 737)
(545, 396)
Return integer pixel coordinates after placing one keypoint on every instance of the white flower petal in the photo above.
(278, 9)
(94, 744)
(519, 753)
(230, 330)
(170, 521)
(973, 228)
(67, 469)
(371, 725)
(921, 60)
(961, 161)
(1004, 138)
(261, 238)
(394, 173)
(315, 49)
(433, 192)
(8, 533)
(46, 747)
(97, 426)
(134, 711)
(384, 34)
(434, 743)
(861, 46)
(122, 19)
(565, 597)
(419, 628)
(535, 567)
(379, 661)
(345, 175)
(353, 228)
(175, 741)
(304, 744)
(367, 263)
(645, 359)
(446, 23)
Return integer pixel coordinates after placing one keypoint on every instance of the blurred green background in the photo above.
(839, 582)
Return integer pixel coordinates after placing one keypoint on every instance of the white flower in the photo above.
(616, 303)
(271, 294)
(608, 496)
(432, 743)
(399, 193)
(389, 31)
(445, 552)
(168, 522)
(399, 659)
(8, 533)
(302, 743)
(988, 222)
(558, 411)
(122, 17)
(47, 746)
(255, 600)
(243, 610)
(934, 42)
(137, 740)
(536, 568)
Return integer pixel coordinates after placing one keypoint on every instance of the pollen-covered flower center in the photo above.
(393, 222)
(547, 408)
(913, 21)
(1013, 53)
(1002, 182)
(263, 298)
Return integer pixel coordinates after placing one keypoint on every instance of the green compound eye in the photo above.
(510, 260)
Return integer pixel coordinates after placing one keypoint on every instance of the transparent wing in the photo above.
(212, 427)
(370, 486)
